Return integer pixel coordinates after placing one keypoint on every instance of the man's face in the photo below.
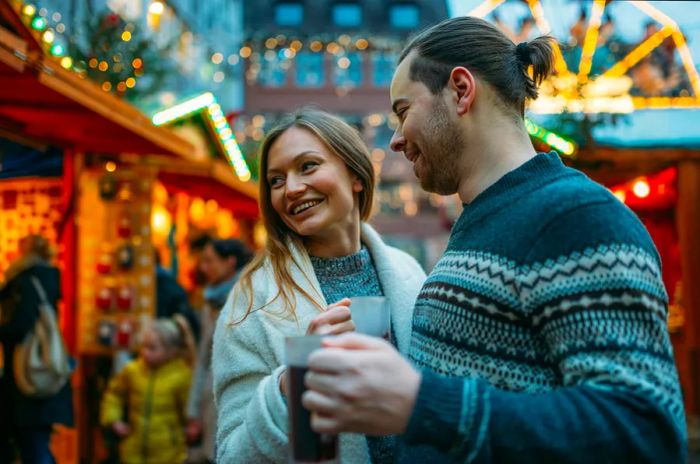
(428, 132)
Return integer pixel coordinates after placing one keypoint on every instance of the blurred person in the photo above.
(220, 263)
(171, 298)
(540, 335)
(24, 420)
(577, 31)
(316, 188)
(153, 391)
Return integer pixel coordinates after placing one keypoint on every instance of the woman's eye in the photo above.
(306, 165)
(276, 181)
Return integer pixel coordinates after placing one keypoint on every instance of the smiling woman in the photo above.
(316, 190)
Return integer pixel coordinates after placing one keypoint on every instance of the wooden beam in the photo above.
(111, 108)
(688, 224)
(13, 50)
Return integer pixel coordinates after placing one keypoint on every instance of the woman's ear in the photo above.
(357, 186)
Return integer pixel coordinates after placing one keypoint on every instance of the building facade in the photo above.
(340, 56)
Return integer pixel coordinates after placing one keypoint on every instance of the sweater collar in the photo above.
(537, 170)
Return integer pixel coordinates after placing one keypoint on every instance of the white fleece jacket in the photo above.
(248, 358)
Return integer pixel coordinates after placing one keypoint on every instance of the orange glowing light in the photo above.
(641, 188)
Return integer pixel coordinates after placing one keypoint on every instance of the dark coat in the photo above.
(171, 299)
(20, 299)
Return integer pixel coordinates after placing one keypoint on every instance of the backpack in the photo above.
(41, 362)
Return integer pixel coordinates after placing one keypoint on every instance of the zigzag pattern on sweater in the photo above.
(594, 317)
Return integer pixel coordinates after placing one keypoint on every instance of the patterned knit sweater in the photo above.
(541, 332)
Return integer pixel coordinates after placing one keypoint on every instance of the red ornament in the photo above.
(125, 298)
(124, 228)
(104, 264)
(124, 332)
(104, 299)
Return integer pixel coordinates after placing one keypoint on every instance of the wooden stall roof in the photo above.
(41, 101)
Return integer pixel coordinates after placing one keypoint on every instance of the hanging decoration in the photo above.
(207, 104)
(609, 88)
(118, 55)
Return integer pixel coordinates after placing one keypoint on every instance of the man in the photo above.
(540, 336)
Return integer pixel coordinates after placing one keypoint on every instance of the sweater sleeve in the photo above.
(252, 414)
(601, 313)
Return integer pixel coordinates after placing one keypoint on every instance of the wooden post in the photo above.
(688, 222)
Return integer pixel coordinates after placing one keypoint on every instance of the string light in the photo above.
(156, 8)
(543, 25)
(555, 141)
(590, 41)
(639, 52)
(207, 102)
(641, 188)
(484, 8)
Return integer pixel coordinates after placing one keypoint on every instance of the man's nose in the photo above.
(398, 142)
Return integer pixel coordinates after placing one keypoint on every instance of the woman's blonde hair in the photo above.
(175, 333)
(342, 140)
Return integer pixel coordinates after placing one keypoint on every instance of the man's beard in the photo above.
(445, 141)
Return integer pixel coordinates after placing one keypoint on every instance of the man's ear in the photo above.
(463, 87)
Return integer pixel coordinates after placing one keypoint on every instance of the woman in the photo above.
(220, 262)
(26, 419)
(316, 189)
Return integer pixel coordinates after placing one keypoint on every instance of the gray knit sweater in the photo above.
(349, 276)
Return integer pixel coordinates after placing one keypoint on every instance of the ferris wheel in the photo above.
(575, 87)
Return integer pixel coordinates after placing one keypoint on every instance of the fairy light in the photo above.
(687, 59)
(656, 14)
(658, 103)
(620, 194)
(641, 188)
(183, 109)
(639, 52)
(221, 126)
(555, 141)
(590, 41)
(29, 9)
(543, 25)
(156, 8)
(484, 8)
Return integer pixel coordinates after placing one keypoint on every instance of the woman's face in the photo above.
(311, 188)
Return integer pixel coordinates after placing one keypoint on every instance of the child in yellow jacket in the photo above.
(154, 389)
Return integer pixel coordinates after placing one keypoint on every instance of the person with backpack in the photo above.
(26, 419)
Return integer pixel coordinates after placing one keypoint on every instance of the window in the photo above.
(347, 14)
(289, 14)
(404, 16)
(273, 70)
(383, 65)
(310, 72)
(348, 70)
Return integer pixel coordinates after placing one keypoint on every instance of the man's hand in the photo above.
(360, 384)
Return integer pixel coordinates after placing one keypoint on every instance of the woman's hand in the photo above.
(121, 428)
(335, 320)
